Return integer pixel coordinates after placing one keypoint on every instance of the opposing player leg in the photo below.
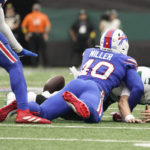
(12, 64)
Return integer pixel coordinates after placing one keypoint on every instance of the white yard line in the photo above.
(74, 139)
(76, 127)
(107, 116)
(7, 89)
(142, 144)
(117, 108)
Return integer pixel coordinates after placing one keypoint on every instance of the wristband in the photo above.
(128, 117)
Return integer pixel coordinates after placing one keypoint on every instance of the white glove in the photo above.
(74, 71)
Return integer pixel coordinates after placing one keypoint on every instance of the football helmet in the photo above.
(114, 40)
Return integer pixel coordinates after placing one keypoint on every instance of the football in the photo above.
(54, 84)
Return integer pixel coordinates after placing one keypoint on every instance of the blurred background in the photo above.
(59, 31)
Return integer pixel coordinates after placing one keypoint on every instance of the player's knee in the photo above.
(94, 116)
(95, 119)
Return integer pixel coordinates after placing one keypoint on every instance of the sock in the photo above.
(18, 85)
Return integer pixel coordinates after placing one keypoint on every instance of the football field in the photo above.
(68, 135)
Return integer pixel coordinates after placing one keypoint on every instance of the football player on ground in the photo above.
(122, 94)
(102, 70)
(10, 61)
(53, 85)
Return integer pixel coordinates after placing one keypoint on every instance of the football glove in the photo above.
(25, 52)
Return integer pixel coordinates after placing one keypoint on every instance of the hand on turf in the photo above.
(146, 114)
(25, 52)
(135, 121)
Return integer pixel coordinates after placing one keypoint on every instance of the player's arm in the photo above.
(123, 103)
(4, 28)
(124, 108)
(135, 85)
(72, 32)
(73, 35)
(47, 28)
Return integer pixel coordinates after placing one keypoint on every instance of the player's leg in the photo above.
(32, 43)
(55, 106)
(94, 100)
(18, 84)
(42, 49)
(90, 100)
(12, 64)
(52, 107)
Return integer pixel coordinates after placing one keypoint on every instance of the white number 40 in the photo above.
(94, 71)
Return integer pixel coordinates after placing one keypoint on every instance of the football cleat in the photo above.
(4, 111)
(77, 105)
(24, 116)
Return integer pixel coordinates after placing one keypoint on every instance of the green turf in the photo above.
(68, 135)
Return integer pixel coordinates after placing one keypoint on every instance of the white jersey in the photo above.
(144, 73)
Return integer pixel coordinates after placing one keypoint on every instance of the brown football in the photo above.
(54, 84)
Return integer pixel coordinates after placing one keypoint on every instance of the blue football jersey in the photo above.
(107, 69)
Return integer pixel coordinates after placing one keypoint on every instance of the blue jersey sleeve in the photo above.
(135, 85)
(130, 62)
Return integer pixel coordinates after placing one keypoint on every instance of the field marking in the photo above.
(75, 139)
(133, 110)
(142, 144)
(31, 88)
(106, 116)
(75, 127)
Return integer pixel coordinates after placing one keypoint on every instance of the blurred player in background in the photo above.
(82, 34)
(12, 19)
(109, 20)
(101, 71)
(10, 61)
(36, 27)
